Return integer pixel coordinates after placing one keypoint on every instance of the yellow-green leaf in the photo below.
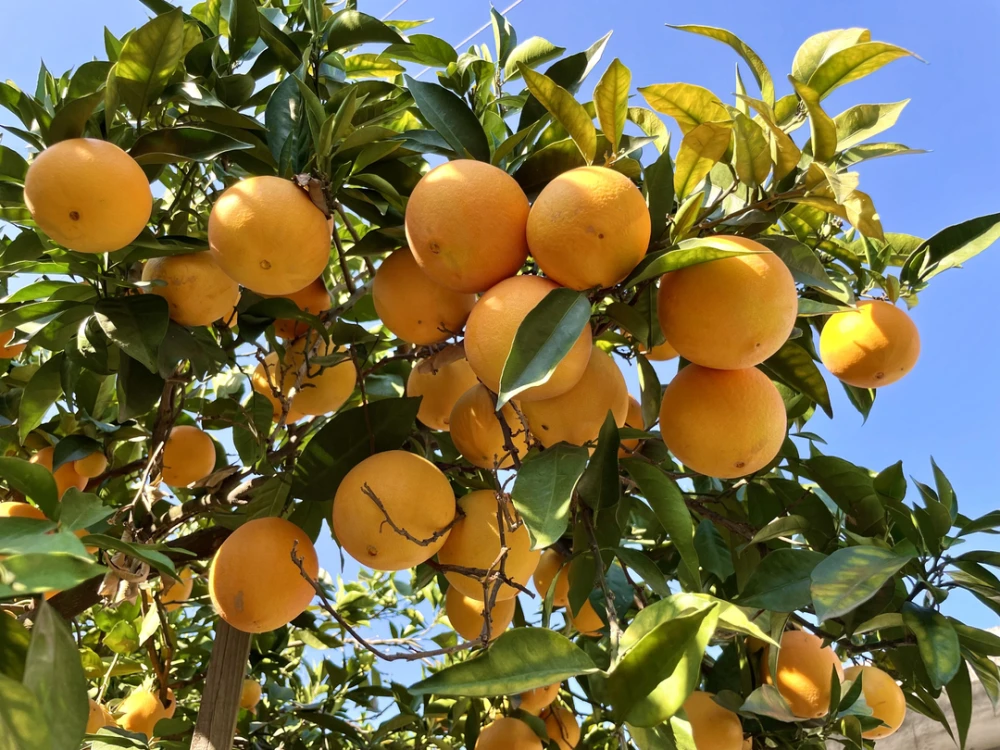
(863, 216)
(751, 157)
(690, 105)
(371, 65)
(757, 66)
(865, 120)
(819, 47)
(611, 101)
(853, 63)
(647, 121)
(784, 153)
(566, 110)
(824, 131)
(701, 148)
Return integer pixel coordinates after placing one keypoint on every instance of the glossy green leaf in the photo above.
(767, 701)
(819, 47)
(504, 35)
(752, 155)
(801, 260)
(752, 59)
(600, 485)
(543, 339)
(244, 27)
(937, 642)
(639, 563)
(350, 28)
(137, 324)
(960, 697)
(850, 577)
(544, 488)
(861, 122)
(40, 393)
(147, 61)
(180, 144)
(658, 187)
(781, 580)
(852, 63)
(568, 112)
(851, 488)
(688, 104)
(70, 121)
(150, 554)
(423, 49)
(25, 536)
(795, 367)
(34, 573)
(784, 153)
(611, 101)
(702, 147)
(33, 481)
(868, 151)
(824, 131)
(952, 247)
(452, 118)
(713, 550)
(532, 53)
(521, 659)
(569, 73)
(80, 510)
(278, 42)
(650, 391)
(369, 64)
(687, 253)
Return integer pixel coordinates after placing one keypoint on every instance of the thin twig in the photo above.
(342, 257)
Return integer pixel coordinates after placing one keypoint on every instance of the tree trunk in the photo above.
(220, 704)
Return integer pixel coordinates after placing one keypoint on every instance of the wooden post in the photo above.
(220, 703)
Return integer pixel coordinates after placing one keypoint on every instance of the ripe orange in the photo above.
(537, 700)
(577, 415)
(562, 726)
(312, 298)
(91, 466)
(474, 542)
(477, 433)
(88, 195)
(712, 726)
(440, 380)
(254, 584)
(269, 236)
(586, 621)
(883, 696)
(250, 694)
(467, 615)
(414, 307)
(803, 674)
(465, 223)
(732, 313)
(490, 332)
(65, 475)
(9, 352)
(415, 495)
(722, 423)
(140, 711)
(589, 228)
(14, 509)
(98, 717)
(504, 733)
(321, 390)
(632, 419)
(188, 456)
(179, 592)
(659, 353)
(875, 345)
(198, 292)
(550, 565)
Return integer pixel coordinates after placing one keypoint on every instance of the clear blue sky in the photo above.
(947, 407)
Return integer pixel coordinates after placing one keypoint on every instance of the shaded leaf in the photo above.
(795, 367)
(544, 488)
(136, 323)
(781, 581)
(174, 145)
(33, 481)
(937, 642)
(452, 118)
(40, 393)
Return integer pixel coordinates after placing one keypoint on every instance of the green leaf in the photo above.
(70, 121)
(794, 367)
(544, 337)
(40, 393)
(687, 253)
(611, 101)
(33, 481)
(566, 110)
(767, 701)
(137, 388)
(867, 151)
(136, 323)
(651, 575)
(122, 639)
(650, 391)
(658, 187)
(651, 125)
(752, 59)
(752, 157)
(424, 49)
(960, 696)
(53, 672)
(779, 527)
(784, 153)
(503, 35)
(861, 122)
(14, 640)
(853, 63)
(521, 659)
(824, 131)
(953, 246)
(667, 502)
(937, 642)
(713, 551)
(244, 27)
(72, 447)
(654, 657)
(346, 440)
(531, 53)
(285, 118)
(370, 64)
(175, 145)
(452, 118)
(280, 44)
(22, 722)
(688, 104)
(801, 260)
(850, 577)
(80, 510)
(946, 493)
(851, 488)
(350, 28)
(544, 488)
(34, 573)
(24, 536)
(702, 147)
(819, 47)
(149, 553)
(148, 60)
(600, 485)
(781, 581)
(568, 73)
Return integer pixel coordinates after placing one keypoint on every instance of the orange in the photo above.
(65, 475)
(88, 195)
(490, 331)
(883, 696)
(321, 390)
(254, 584)
(269, 236)
(250, 694)
(875, 345)
(550, 565)
(587, 621)
(659, 353)
(712, 726)
(562, 726)
(439, 381)
(632, 419)
(20, 510)
(577, 415)
(477, 433)
(188, 456)
(415, 495)
(312, 298)
(98, 717)
(731, 313)
(537, 700)
(505, 733)
(722, 423)
(179, 592)
(803, 674)
(9, 352)
(414, 307)
(170, 708)
(140, 712)
(589, 227)
(197, 290)
(467, 615)
(474, 542)
(91, 466)
(465, 223)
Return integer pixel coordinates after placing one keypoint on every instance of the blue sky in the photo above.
(947, 407)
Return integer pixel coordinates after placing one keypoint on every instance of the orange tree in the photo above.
(240, 302)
